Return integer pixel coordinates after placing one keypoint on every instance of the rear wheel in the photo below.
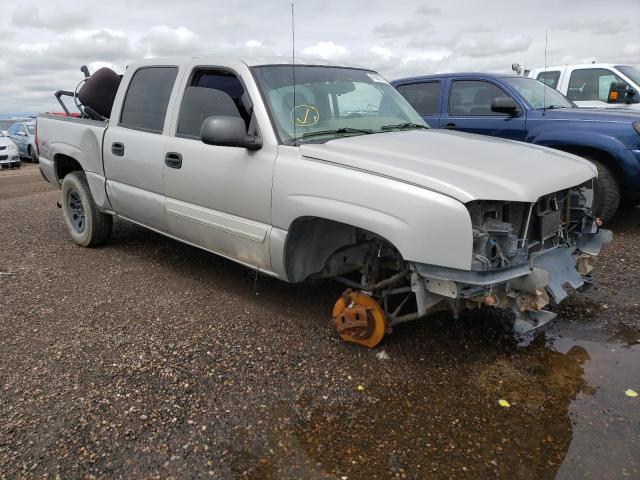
(607, 192)
(87, 226)
(33, 155)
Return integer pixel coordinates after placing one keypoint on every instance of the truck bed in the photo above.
(78, 138)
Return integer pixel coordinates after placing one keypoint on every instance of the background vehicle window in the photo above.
(32, 129)
(212, 93)
(591, 84)
(472, 97)
(14, 129)
(422, 96)
(145, 105)
(23, 129)
(363, 100)
(550, 78)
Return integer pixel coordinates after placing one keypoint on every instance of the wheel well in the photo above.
(593, 154)
(64, 165)
(312, 241)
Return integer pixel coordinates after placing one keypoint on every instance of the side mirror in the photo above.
(619, 92)
(504, 105)
(630, 92)
(227, 131)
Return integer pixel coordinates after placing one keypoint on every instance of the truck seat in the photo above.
(99, 91)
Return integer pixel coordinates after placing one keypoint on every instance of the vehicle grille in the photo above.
(4, 157)
(3, 147)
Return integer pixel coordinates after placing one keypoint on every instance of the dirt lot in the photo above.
(148, 358)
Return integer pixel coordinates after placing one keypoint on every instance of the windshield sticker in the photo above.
(376, 77)
(305, 115)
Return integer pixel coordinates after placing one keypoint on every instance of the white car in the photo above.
(600, 85)
(328, 173)
(9, 156)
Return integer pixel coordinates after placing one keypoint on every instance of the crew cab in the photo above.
(316, 170)
(527, 110)
(595, 85)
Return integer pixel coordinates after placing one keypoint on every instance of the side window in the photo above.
(424, 97)
(550, 78)
(14, 129)
(23, 129)
(147, 99)
(591, 84)
(473, 98)
(211, 93)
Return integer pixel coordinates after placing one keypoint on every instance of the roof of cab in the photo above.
(582, 65)
(421, 78)
(249, 61)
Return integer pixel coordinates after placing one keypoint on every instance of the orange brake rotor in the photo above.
(358, 318)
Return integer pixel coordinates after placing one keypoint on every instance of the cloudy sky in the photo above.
(43, 44)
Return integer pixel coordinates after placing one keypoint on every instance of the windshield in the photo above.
(331, 102)
(631, 73)
(537, 94)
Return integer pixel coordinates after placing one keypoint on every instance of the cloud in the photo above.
(597, 26)
(486, 46)
(44, 50)
(632, 49)
(428, 10)
(163, 40)
(326, 51)
(29, 16)
(407, 27)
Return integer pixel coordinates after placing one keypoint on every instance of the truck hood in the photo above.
(461, 165)
(620, 114)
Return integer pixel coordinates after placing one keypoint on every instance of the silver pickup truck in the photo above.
(325, 171)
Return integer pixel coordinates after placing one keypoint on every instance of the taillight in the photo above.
(36, 135)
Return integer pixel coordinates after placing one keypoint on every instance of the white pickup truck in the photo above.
(594, 85)
(325, 171)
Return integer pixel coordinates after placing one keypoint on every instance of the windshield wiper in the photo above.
(328, 132)
(402, 126)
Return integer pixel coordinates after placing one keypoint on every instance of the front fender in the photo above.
(425, 226)
(550, 137)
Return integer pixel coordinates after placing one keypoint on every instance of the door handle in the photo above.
(450, 126)
(117, 149)
(173, 160)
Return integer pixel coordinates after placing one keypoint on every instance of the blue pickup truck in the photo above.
(527, 110)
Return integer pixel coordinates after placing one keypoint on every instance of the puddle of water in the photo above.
(606, 425)
(569, 416)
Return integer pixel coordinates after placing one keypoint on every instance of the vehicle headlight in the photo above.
(12, 147)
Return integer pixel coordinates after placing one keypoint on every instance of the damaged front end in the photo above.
(525, 255)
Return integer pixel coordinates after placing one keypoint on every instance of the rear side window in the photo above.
(147, 99)
(591, 84)
(473, 97)
(424, 97)
(550, 78)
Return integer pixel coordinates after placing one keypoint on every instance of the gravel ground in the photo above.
(147, 358)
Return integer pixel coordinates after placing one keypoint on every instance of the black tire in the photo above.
(33, 156)
(87, 226)
(607, 192)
